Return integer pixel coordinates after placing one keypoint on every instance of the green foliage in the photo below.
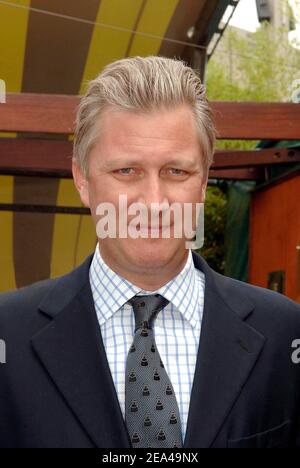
(214, 227)
(257, 67)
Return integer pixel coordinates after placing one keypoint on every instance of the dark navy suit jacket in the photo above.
(56, 389)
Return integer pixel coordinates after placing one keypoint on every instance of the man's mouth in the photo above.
(153, 229)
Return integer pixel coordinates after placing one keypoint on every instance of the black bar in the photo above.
(28, 208)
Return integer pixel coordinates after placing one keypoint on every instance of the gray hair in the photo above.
(143, 84)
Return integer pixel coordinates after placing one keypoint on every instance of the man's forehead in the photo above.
(133, 133)
(159, 124)
(111, 153)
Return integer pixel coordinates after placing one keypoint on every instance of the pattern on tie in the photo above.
(151, 410)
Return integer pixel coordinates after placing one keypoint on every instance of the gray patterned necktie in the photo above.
(151, 410)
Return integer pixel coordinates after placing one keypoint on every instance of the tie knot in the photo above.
(146, 308)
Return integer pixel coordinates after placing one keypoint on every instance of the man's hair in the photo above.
(142, 84)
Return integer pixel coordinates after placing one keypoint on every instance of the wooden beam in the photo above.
(257, 121)
(24, 156)
(46, 209)
(52, 158)
(264, 157)
(37, 113)
(252, 173)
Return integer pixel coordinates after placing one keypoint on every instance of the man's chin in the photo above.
(154, 252)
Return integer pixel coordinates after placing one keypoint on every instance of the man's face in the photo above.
(150, 158)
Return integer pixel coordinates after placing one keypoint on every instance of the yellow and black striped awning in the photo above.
(55, 47)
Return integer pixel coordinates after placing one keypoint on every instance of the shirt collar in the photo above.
(111, 291)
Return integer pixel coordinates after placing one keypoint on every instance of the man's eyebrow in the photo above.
(183, 161)
(120, 161)
(133, 162)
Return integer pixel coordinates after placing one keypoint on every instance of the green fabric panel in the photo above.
(279, 144)
(237, 228)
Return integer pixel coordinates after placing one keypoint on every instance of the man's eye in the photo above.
(124, 170)
(177, 171)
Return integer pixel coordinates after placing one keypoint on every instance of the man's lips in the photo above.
(153, 228)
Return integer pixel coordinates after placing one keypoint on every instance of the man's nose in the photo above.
(153, 191)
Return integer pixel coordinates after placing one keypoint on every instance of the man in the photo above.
(144, 345)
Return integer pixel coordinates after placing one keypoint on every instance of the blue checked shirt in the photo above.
(176, 328)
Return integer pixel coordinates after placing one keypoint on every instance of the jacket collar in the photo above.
(111, 291)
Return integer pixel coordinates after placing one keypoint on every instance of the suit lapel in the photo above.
(228, 350)
(72, 352)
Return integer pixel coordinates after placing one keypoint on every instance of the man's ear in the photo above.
(81, 183)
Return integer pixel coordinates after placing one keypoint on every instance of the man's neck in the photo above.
(154, 280)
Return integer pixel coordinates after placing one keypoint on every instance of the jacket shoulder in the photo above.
(19, 308)
(268, 305)
(15, 303)
(235, 292)
(259, 293)
(26, 300)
